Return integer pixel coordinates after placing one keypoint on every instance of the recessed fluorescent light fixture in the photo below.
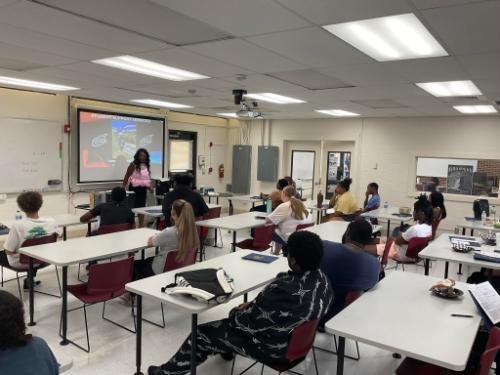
(228, 114)
(475, 109)
(450, 88)
(150, 68)
(160, 103)
(337, 112)
(35, 84)
(389, 38)
(274, 98)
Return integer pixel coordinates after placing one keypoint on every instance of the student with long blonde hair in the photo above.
(287, 216)
(182, 237)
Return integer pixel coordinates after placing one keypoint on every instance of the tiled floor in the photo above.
(113, 349)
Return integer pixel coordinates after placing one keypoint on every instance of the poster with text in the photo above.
(460, 179)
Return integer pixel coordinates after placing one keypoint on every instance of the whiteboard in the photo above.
(29, 154)
(438, 167)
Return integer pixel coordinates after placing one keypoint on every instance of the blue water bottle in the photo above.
(269, 206)
(19, 216)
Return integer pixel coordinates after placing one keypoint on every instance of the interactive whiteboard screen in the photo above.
(108, 141)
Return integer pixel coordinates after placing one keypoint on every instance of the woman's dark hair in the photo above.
(346, 183)
(118, 194)
(437, 200)
(359, 231)
(282, 183)
(307, 250)
(30, 201)
(423, 205)
(12, 326)
(137, 162)
(290, 181)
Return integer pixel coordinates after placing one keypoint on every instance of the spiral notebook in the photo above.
(260, 258)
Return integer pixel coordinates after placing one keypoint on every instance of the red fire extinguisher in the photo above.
(221, 171)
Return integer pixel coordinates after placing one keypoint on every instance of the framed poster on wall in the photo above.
(338, 168)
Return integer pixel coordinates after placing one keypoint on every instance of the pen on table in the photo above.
(462, 315)
(496, 251)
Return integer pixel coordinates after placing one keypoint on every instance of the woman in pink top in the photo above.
(138, 179)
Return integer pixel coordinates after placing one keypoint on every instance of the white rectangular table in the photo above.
(245, 199)
(440, 249)
(389, 213)
(473, 225)
(334, 230)
(81, 250)
(320, 211)
(248, 275)
(400, 315)
(63, 221)
(235, 223)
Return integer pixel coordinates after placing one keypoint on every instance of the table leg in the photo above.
(143, 254)
(459, 269)
(318, 216)
(64, 309)
(194, 333)
(89, 229)
(340, 356)
(426, 266)
(253, 204)
(215, 237)
(463, 231)
(245, 298)
(31, 285)
(471, 232)
(138, 336)
(217, 200)
(209, 199)
(446, 266)
(65, 233)
(201, 244)
(231, 207)
(233, 246)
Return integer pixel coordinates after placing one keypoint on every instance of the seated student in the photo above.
(183, 189)
(287, 216)
(260, 329)
(31, 226)
(348, 266)
(21, 353)
(291, 182)
(372, 199)
(343, 202)
(422, 213)
(275, 196)
(114, 212)
(182, 237)
(436, 199)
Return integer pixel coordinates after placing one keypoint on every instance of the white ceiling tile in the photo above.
(17, 65)
(246, 55)
(428, 4)
(182, 58)
(364, 74)
(313, 47)
(481, 66)
(32, 56)
(154, 20)
(7, 2)
(47, 43)
(467, 29)
(263, 83)
(83, 80)
(428, 70)
(53, 22)
(325, 12)
(239, 17)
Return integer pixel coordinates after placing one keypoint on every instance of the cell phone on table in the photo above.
(260, 217)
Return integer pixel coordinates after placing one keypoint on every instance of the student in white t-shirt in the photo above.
(31, 226)
(287, 216)
(422, 213)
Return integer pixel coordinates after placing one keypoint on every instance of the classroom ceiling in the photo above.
(273, 46)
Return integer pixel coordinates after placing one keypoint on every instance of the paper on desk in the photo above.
(487, 299)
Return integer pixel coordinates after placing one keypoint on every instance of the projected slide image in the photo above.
(109, 141)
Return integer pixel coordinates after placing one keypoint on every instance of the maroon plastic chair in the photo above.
(23, 259)
(300, 342)
(435, 226)
(106, 229)
(106, 282)
(385, 255)
(411, 366)
(415, 246)
(262, 238)
(303, 226)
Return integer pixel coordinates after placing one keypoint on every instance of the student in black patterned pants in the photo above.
(260, 329)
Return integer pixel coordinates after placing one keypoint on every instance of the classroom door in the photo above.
(182, 152)
(302, 171)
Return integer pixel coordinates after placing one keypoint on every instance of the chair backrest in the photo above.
(263, 236)
(352, 296)
(385, 254)
(435, 225)
(112, 228)
(214, 212)
(303, 226)
(416, 245)
(23, 259)
(301, 340)
(110, 277)
(171, 263)
(490, 352)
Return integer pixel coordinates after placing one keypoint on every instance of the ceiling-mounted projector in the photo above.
(245, 110)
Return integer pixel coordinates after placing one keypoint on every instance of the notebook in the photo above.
(488, 257)
(467, 241)
(260, 258)
(487, 300)
(154, 211)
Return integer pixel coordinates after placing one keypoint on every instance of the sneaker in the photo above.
(26, 286)
(155, 370)
(227, 356)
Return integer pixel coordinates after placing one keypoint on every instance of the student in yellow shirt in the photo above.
(343, 202)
